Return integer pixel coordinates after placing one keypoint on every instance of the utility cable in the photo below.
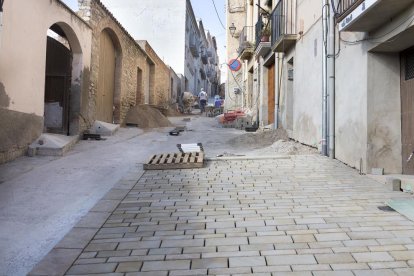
(218, 16)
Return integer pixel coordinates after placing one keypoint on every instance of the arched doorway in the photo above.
(62, 80)
(108, 100)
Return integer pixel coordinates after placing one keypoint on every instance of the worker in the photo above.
(202, 96)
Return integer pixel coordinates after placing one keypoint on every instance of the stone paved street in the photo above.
(298, 215)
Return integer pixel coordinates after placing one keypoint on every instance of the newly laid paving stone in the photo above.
(309, 214)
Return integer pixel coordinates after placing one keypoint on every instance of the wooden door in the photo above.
(106, 79)
(271, 95)
(407, 109)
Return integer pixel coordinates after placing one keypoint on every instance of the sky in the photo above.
(203, 9)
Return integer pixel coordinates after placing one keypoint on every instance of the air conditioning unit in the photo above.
(236, 90)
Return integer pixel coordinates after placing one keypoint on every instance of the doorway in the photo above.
(407, 109)
(106, 79)
(62, 81)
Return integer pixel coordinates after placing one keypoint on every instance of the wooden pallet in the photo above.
(172, 161)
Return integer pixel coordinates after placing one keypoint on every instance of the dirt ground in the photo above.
(41, 198)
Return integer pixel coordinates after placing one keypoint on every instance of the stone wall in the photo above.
(130, 57)
(162, 82)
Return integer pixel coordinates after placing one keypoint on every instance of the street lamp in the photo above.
(232, 29)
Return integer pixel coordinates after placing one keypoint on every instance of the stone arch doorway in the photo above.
(108, 96)
(62, 80)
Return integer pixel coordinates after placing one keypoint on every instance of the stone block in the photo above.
(393, 184)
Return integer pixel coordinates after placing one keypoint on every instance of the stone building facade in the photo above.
(161, 94)
(94, 70)
(23, 66)
(129, 59)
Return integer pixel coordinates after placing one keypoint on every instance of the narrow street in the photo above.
(263, 213)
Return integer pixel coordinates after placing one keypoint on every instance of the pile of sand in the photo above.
(270, 142)
(145, 116)
(259, 139)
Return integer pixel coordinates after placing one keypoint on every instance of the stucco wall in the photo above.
(22, 69)
(307, 90)
(384, 112)
(351, 104)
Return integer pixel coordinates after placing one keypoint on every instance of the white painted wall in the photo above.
(23, 49)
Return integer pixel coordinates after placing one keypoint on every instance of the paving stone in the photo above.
(92, 268)
(139, 245)
(101, 246)
(382, 265)
(192, 272)
(402, 255)
(270, 239)
(303, 238)
(311, 267)
(332, 273)
(114, 253)
(182, 243)
(246, 261)
(349, 266)
(290, 259)
(209, 263)
(334, 258)
(226, 241)
(378, 272)
(93, 220)
(56, 262)
(372, 257)
(129, 267)
(77, 238)
(165, 265)
(332, 237)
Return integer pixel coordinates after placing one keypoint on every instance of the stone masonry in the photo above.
(162, 84)
(294, 215)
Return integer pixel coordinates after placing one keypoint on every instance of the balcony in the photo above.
(366, 16)
(202, 73)
(213, 60)
(193, 45)
(204, 57)
(262, 31)
(283, 25)
(246, 46)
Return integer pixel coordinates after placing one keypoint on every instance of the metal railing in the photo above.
(260, 26)
(283, 19)
(346, 7)
(246, 39)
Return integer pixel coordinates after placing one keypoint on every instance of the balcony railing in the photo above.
(204, 57)
(346, 7)
(262, 30)
(246, 46)
(283, 21)
(194, 46)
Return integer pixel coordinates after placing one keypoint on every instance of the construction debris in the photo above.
(172, 161)
(145, 116)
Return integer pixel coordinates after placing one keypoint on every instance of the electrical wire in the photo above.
(218, 16)
(381, 36)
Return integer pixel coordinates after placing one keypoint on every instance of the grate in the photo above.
(409, 66)
(172, 161)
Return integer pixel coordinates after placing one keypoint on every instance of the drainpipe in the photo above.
(324, 148)
(277, 89)
(331, 85)
(1, 19)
